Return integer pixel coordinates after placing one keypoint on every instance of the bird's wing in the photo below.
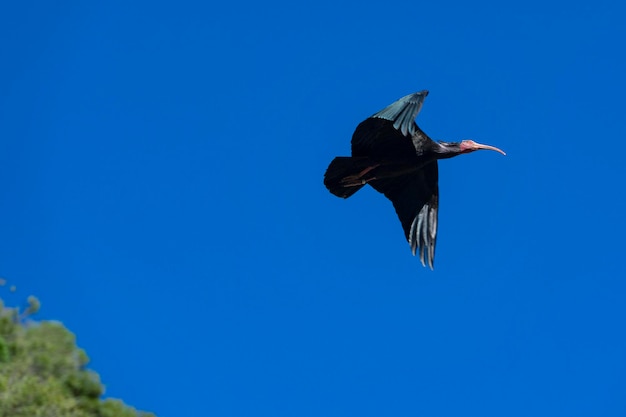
(378, 139)
(391, 133)
(403, 112)
(416, 200)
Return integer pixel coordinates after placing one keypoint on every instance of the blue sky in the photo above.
(162, 195)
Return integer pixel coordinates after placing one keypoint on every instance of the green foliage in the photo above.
(43, 374)
(33, 305)
(4, 350)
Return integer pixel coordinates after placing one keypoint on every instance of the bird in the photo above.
(396, 158)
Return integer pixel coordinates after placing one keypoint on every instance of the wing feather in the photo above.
(392, 133)
(403, 112)
(416, 199)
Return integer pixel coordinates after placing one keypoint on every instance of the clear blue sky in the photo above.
(162, 195)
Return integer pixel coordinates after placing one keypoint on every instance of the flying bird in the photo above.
(393, 155)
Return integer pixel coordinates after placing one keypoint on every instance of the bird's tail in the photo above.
(342, 176)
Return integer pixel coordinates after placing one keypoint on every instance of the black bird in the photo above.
(393, 155)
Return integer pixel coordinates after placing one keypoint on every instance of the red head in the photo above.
(468, 146)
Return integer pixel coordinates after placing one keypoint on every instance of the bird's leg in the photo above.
(354, 180)
(368, 169)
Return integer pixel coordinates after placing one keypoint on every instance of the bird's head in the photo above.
(467, 146)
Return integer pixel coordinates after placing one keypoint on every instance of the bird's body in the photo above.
(393, 155)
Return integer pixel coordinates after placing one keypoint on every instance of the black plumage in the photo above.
(393, 155)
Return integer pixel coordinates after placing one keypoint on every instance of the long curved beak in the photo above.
(478, 146)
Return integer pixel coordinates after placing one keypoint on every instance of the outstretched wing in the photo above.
(403, 112)
(392, 132)
(416, 200)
